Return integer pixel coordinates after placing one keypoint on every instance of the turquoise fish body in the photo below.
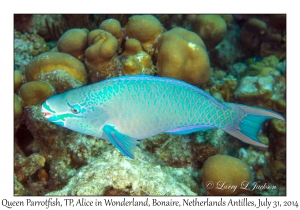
(125, 109)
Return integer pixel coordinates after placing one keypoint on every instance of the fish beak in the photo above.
(51, 115)
(47, 114)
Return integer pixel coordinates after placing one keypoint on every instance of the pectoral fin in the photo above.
(124, 143)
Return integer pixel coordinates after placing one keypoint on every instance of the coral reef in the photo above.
(17, 111)
(267, 37)
(62, 70)
(277, 161)
(266, 166)
(257, 159)
(17, 106)
(227, 51)
(135, 60)
(185, 151)
(228, 19)
(224, 170)
(24, 167)
(101, 55)
(35, 92)
(145, 28)
(19, 188)
(74, 42)
(64, 151)
(263, 91)
(188, 61)
(52, 26)
(112, 26)
(266, 87)
(18, 80)
(43, 175)
(211, 28)
(255, 68)
(222, 84)
(27, 46)
(144, 176)
(51, 146)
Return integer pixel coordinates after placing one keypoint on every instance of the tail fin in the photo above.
(247, 129)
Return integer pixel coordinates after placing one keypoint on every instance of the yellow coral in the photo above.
(135, 60)
(268, 71)
(17, 107)
(211, 28)
(35, 92)
(17, 112)
(263, 139)
(256, 67)
(228, 19)
(43, 175)
(101, 57)
(62, 70)
(225, 175)
(73, 42)
(145, 28)
(278, 130)
(112, 26)
(132, 46)
(182, 55)
(277, 160)
(18, 80)
(225, 86)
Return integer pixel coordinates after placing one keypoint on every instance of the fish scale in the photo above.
(125, 109)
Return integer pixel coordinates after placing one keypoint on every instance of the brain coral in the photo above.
(135, 60)
(35, 92)
(225, 175)
(145, 28)
(101, 56)
(73, 42)
(112, 26)
(182, 55)
(62, 70)
(211, 28)
(18, 80)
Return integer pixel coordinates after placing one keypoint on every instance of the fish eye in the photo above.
(74, 111)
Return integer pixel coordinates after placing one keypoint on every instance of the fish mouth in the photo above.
(52, 117)
(47, 114)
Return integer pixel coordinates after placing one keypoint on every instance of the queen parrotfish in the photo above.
(126, 109)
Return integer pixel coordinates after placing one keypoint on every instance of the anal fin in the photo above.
(190, 129)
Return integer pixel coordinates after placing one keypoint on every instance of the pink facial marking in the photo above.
(47, 114)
